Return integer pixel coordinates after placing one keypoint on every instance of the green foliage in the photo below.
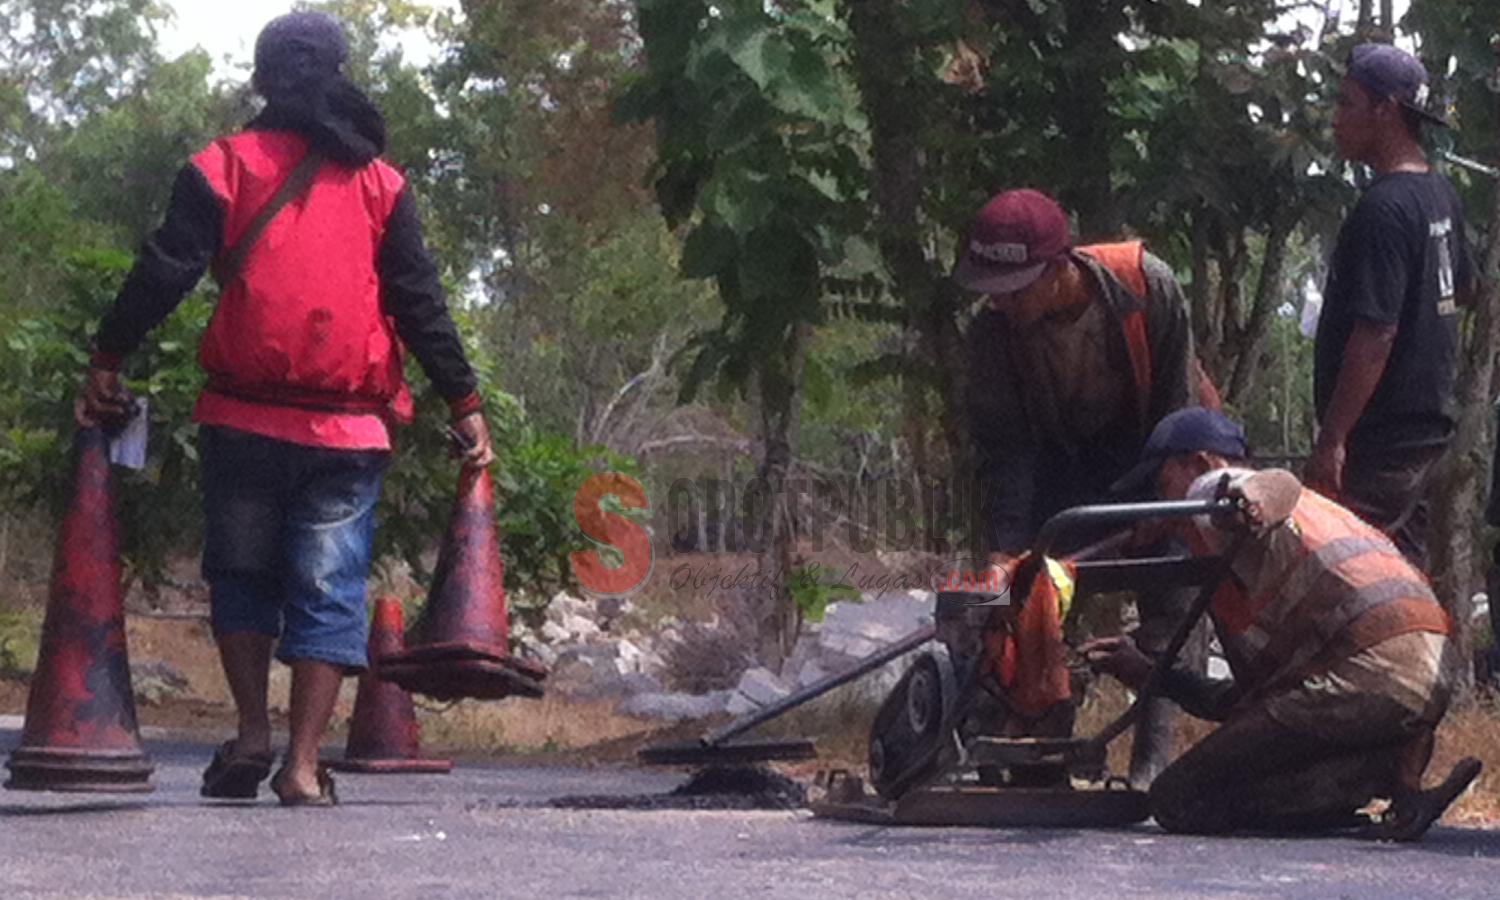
(811, 594)
(20, 630)
(1463, 36)
(90, 177)
(43, 356)
(538, 477)
(757, 147)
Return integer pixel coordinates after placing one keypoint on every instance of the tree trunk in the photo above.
(1457, 565)
(778, 399)
(1267, 292)
(1200, 292)
(1083, 113)
(893, 102)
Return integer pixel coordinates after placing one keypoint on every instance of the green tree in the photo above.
(758, 148)
(1460, 38)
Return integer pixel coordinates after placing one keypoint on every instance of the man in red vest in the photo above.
(1339, 653)
(318, 250)
(1075, 354)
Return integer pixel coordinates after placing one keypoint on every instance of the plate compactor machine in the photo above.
(967, 736)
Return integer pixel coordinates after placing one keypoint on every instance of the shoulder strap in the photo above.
(1125, 260)
(227, 267)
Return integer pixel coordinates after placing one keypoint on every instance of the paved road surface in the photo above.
(471, 834)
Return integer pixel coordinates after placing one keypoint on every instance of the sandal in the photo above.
(1411, 816)
(327, 794)
(232, 775)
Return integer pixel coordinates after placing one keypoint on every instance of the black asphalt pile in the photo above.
(714, 787)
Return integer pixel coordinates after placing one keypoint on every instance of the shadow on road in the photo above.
(93, 807)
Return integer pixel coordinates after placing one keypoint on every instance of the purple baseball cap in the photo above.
(1387, 71)
(1011, 241)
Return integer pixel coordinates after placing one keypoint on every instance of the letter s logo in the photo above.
(611, 529)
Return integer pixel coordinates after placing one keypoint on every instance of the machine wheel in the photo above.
(909, 731)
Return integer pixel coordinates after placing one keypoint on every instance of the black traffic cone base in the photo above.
(461, 674)
(90, 771)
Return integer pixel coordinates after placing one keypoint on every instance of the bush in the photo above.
(160, 512)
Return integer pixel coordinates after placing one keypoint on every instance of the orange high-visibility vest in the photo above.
(1125, 261)
(301, 324)
(1344, 587)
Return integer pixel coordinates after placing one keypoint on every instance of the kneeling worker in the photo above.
(1340, 655)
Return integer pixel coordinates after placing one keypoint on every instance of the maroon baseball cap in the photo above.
(1011, 241)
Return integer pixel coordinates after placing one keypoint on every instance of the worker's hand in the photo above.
(1268, 497)
(104, 400)
(1325, 468)
(1118, 656)
(474, 435)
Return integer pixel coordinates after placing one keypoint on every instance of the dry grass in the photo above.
(1472, 730)
(480, 728)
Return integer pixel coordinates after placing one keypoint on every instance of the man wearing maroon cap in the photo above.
(1384, 354)
(1074, 358)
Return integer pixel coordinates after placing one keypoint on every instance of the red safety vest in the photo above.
(301, 324)
(1327, 586)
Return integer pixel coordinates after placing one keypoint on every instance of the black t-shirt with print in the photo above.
(1400, 256)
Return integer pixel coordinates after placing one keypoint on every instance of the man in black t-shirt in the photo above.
(1385, 350)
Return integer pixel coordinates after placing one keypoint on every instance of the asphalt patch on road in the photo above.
(714, 787)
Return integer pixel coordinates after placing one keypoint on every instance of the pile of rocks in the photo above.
(591, 656)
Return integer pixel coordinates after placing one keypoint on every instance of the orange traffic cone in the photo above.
(383, 733)
(80, 732)
(461, 642)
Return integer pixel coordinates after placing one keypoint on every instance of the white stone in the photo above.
(630, 655)
(530, 646)
(810, 672)
(564, 604)
(738, 704)
(579, 627)
(854, 630)
(587, 672)
(761, 687)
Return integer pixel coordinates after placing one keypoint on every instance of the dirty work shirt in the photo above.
(1400, 258)
(1039, 452)
(1070, 355)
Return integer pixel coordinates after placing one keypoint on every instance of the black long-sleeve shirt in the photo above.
(177, 254)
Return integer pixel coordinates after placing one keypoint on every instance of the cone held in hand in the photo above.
(81, 732)
(460, 645)
(384, 736)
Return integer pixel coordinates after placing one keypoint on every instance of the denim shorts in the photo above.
(287, 544)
